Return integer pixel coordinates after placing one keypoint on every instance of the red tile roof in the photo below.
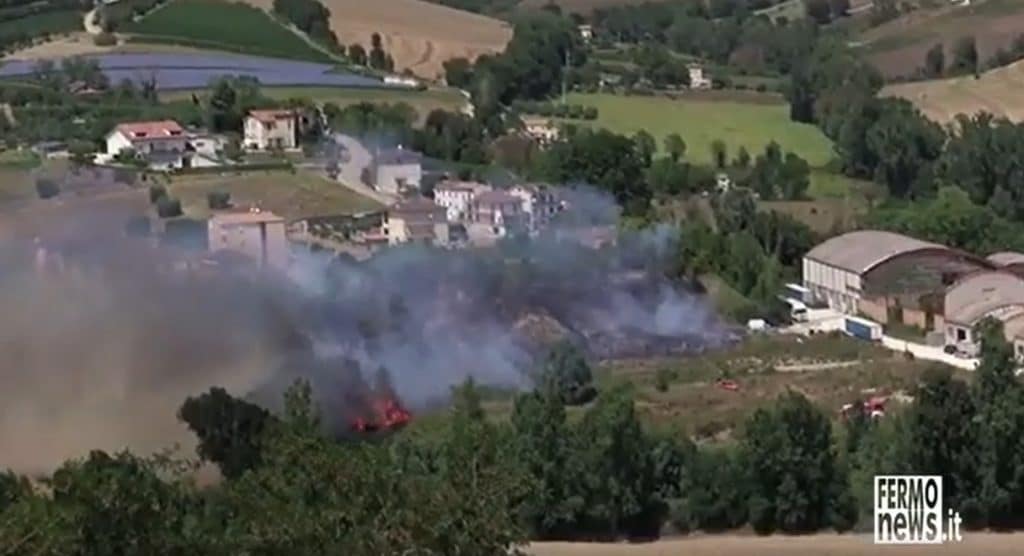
(145, 131)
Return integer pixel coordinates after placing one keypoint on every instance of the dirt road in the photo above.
(974, 544)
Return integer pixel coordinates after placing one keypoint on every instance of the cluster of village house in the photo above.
(895, 279)
(459, 213)
(166, 145)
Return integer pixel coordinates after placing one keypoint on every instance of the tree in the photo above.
(839, 8)
(742, 159)
(796, 482)
(566, 373)
(935, 61)
(819, 10)
(622, 481)
(965, 56)
(719, 153)
(466, 401)
(357, 54)
(668, 177)
(601, 158)
(646, 146)
(228, 430)
(458, 72)
(545, 446)
(675, 146)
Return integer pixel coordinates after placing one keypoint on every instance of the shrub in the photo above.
(664, 378)
(590, 113)
(105, 39)
(167, 207)
(157, 192)
(218, 200)
(47, 188)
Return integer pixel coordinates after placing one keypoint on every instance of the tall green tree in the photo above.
(675, 146)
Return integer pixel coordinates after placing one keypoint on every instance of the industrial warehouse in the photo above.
(895, 280)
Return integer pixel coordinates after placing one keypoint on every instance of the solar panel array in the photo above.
(194, 71)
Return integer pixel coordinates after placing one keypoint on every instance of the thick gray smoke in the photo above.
(105, 336)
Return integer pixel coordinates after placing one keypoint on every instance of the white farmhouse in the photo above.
(539, 203)
(697, 78)
(162, 143)
(396, 170)
(456, 196)
(271, 129)
(256, 234)
(543, 130)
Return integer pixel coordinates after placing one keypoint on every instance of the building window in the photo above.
(961, 334)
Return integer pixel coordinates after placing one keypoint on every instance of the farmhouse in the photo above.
(271, 129)
(416, 220)
(256, 234)
(886, 276)
(539, 203)
(397, 170)
(161, 143)
(697, 78)
(495, 214)
(543, 130)
(455, 197)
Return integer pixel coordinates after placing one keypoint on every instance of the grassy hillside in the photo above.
(898, 47)
(220, 25)
(996, 91)
(701, 122)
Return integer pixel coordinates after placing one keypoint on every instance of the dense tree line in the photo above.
(753, 44)
(310, 16)
(753, 251)
(889, 141)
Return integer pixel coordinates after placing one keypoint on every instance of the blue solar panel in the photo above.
(193, 71)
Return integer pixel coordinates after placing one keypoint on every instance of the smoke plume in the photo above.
(105, 336)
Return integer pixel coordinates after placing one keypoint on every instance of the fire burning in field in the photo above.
(387, 414)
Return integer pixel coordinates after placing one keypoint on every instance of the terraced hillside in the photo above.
(997, 91)
(419, 35)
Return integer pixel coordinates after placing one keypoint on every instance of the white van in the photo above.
(797, 309)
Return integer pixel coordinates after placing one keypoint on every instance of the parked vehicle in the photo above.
(862, 328)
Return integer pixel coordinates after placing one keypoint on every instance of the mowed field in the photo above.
(997, 91)
(221, 25)
(290, 195)
(420, 36)
(898, 47)
(422, 101)
(974, 544)
(700, 122)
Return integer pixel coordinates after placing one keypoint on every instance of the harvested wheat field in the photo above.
(974, 544)
(420, 36)
(996, 91)
(898, 47)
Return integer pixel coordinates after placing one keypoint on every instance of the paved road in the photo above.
(90, 22)
(357, 159)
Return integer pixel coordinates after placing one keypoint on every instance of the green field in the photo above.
(701, 122)
(422, 101)
(220, 25)
(292, 196)
(50, 23)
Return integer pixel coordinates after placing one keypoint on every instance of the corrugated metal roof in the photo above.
(978, 294)
(860, 251)
(1005, 258)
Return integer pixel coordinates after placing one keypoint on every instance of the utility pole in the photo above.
(565, 75)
